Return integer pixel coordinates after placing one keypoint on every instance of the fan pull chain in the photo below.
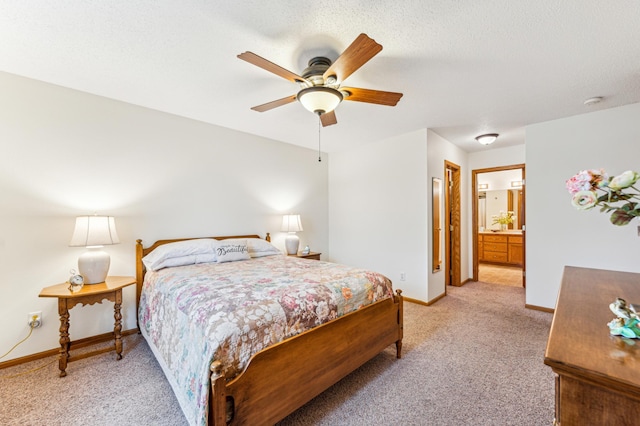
(319, 127)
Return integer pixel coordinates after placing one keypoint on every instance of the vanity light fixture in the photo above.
(487, 139)
(483, 186)
(516, 183)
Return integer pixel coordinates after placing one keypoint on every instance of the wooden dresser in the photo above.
(500, 248)
(597, 375)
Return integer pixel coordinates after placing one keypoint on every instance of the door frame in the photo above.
(474, 220)
(452, 224)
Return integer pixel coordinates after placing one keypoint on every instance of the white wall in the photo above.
(66, 153)
(378, 209)
(496, 157)
(558, 234)
(439, 150)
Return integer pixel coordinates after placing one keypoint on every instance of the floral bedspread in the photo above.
(229, 311)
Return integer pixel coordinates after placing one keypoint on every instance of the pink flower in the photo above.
(587, 180)
(583, 200)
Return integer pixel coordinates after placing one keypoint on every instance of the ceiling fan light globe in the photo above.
(319, 99)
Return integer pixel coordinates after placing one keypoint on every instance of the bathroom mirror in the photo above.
(436, 203)
(491, 203)
(499, 191)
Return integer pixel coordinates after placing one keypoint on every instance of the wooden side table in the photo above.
(311, 255)
(89, 294)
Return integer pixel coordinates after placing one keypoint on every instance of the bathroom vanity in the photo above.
(500, 247)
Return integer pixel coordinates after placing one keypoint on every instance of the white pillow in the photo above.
(191, 259)
(259, 247)
(231, 250)
(157, 259)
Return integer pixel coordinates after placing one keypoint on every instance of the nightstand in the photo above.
(312, 255)
(89, 294)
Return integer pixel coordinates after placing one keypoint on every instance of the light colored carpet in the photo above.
(473, 358)
(500, 274)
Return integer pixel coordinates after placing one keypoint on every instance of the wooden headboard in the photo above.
(142, 252)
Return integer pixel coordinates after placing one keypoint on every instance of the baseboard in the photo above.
(420, 302)
(539, 308)
(80, 343)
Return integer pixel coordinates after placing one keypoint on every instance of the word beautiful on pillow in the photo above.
(231, 250)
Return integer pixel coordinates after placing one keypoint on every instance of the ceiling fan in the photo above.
(321, 91)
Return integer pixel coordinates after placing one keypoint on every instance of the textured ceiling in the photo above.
(465, 67)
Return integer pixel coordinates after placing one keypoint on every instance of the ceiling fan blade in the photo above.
(356, 55)
(371, 96)
(274, 104)
(328, 119)
(259, 61)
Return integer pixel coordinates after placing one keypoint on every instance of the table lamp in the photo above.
(93, 232)
(291, 223)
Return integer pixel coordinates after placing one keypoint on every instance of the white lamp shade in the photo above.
(91, 231)
(291, 223)
(320, 99)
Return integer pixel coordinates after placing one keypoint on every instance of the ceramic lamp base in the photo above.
(93, 265)
(291, 243)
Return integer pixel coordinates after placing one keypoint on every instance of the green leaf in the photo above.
(621, 217)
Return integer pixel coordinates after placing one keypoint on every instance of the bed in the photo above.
(281, 366)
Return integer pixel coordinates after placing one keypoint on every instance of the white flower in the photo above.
(624, 180)
(583, 200)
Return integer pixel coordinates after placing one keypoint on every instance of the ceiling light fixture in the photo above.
(320, 99)
(487, 139)
(592, 101)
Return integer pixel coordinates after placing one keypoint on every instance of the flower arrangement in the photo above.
(617, 195)
(502, 218)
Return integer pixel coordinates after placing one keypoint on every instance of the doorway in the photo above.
(498, 225)
(452, 224)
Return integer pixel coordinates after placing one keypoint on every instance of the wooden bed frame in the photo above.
(283, 377)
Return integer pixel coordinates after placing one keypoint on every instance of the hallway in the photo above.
(498, 274)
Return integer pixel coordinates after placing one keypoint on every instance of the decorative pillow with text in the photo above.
(230, 251)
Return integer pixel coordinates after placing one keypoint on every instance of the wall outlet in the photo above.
(403, 276)
(35, 319)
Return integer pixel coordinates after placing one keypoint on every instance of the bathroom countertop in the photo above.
(507, 232)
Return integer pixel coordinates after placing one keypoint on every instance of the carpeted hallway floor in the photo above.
(500, 274)
(473, 358)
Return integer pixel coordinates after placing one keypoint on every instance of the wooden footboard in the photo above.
(283, 377)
